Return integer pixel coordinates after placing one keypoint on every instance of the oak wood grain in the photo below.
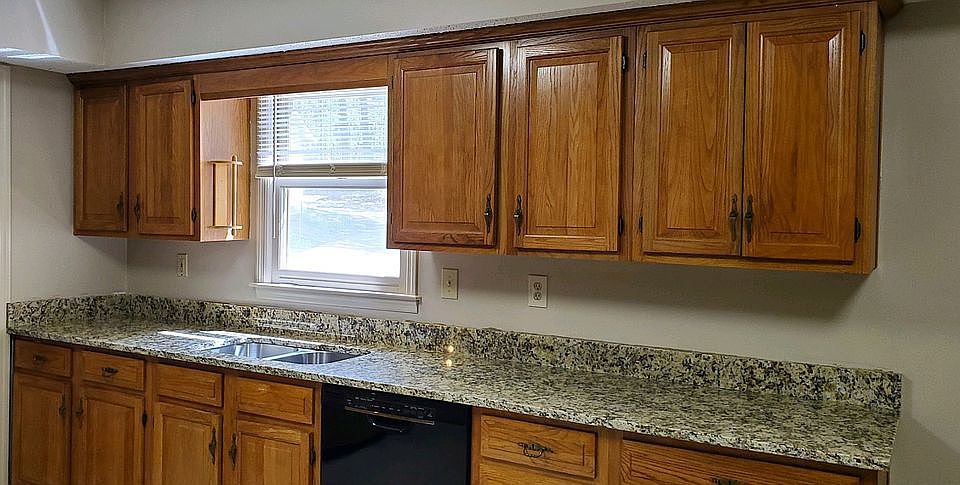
(113, 370)
(274, 400)
(100, 161)
(107, 437)
(569, 451)
(40, 418)
(272, 454)
(225, 188)
(180, 446)
(188, 384)
(47, 359)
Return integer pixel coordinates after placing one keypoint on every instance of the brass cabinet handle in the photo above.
(518, 214)
(734, 218)
(727, 481)
(213, 446)
(233, 451)
(748, 218)
(488, 213)
(136, 208)
(39, 359)
(533, 450)
(108, 372)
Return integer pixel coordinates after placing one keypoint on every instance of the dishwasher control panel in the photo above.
(387, 407)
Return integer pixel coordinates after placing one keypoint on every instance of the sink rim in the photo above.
(287, 351)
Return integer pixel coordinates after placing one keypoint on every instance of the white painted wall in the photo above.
(47, 259)
(904, 317)
(69, 29)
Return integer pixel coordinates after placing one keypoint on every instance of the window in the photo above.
(321, 166)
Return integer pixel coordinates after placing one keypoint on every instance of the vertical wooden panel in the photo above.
(444, 133)
(693, 154)
(801, 158)
(162, 134)
(108, 438)
(568, 172)
(41, 431)
(100, 160)
(181, 446)
(270, 454)
(224, 188)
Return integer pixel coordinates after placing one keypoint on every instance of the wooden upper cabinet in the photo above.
(443, 124)
(185, 446)
(41, 431)
(568, 108)
(108, 438)
(162, 148)
(100, 161)
(800, 174)
(693, 140)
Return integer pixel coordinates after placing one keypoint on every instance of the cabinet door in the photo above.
(803, 78)
(100, 160)
(568, 162)
(108, 438)
(41, 431)
(692, 153)
(444, 128)
(185, 446)
(162, 152)
(269, 454)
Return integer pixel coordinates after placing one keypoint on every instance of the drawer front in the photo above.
(649, 464)
(190, 384)
(112, 370)
(48, 359)
(275, 400)
(494, 473)
(541, 446)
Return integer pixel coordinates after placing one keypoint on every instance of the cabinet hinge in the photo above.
(193, 215)
(623, 63)
(863, 41)
(857, 229)
(640, 222)
(313, 454)
(193, 97)
(620, 226)
(143, 420)
(643, 60)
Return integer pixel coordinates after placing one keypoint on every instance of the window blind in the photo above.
(324, 133)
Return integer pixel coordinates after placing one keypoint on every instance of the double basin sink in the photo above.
(273, 352)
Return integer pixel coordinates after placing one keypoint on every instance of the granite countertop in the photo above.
(841, 433)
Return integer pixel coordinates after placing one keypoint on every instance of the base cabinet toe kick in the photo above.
(84, 416)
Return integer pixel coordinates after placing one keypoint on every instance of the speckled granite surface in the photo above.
(821, 413)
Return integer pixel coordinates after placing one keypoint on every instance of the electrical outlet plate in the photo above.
(537, 291)
(182, 270)
(450, 283)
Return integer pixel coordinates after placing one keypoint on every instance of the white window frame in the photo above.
(323, 290)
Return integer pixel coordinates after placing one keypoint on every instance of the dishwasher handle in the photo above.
(376, 414)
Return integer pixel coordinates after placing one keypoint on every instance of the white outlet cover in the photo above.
(450, 283)
(537, 291)
(182, 269)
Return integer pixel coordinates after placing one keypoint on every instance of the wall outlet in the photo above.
(450, 283)
(182, 270)
(537, 291)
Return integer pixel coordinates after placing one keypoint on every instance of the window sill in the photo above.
(314, 297)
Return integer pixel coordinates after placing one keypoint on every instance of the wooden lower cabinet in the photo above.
(41, 430)
(108, 437)
(185, 446)
(269, 454)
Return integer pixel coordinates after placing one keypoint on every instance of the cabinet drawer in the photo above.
(275, 400)
(495, 473)
(538, 445)
(48, 359)
(112, 369)
(649, 464)
(190, 384)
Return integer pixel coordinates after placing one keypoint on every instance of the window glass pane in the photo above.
(340, 126)
(339, 230)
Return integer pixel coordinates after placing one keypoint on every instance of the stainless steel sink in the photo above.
(283, 353)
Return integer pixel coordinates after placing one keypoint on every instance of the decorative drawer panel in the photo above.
(540, 446)
(48, 359)
(275, 400)
(112, 370)
(190, 384)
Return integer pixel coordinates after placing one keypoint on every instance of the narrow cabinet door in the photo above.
(443, 112)
(803, 78)
(568, 99)
(185, 446)
(693, 133)
(108, 438)
(271, 454)
(100, 160)
(162, 152)
(41, 431)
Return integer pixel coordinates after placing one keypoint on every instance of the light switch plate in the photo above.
(182, 269)
(537, 291)
(450, 283)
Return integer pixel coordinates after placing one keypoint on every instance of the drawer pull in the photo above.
(726, 481)
(533, 450)
(108, 371)
(39, 359)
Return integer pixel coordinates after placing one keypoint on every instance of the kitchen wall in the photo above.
(69, 29)
(47, 260)
(904, 317)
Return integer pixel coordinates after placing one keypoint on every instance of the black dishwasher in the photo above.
(376, 438)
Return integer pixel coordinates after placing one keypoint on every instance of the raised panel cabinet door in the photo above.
(269, 454)
(568, 155)
(100, 160)
(693, 149)
(41, 431)
(803, 78)
(162, 151)
(185, 446)
(444, 126)
(108, 438)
